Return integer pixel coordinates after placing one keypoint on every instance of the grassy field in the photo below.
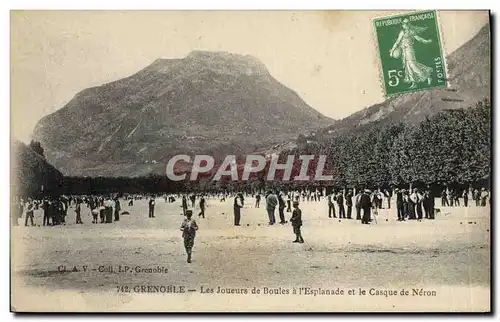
(82, 267)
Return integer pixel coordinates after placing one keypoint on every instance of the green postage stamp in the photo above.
(410, 52)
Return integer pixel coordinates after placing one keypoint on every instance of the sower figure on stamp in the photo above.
(415, 72)
(189, 228)
(296, 221)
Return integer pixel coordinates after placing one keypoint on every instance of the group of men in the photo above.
(55, 210)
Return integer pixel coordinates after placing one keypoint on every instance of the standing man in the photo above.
(331, 208)
(432, 204)
(78, 210)
(288, 202)
(281, 208)
(193, 201)
(465, 195)
(420, 198)
(412, 201)
(484, 197)
(117, 209)
(477, 197)
(404, 192)
(357, 203)
(202, 207)
(366, 205)
(444, 198)
(456, 197)
(238, 204)
(257, 200)
(340, 204)
(46, 211)
(271, 202)
(399, 204)
(348, 202)
(184, 205)
(63, 208)
(108, 205)
(296, 221)
(29, 213)
(189, 228)
(451, 197)
(388, 195)
(151, 207)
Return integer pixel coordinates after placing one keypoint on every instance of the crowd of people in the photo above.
(408, 204)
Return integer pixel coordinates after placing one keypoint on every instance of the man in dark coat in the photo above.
(238, 204)
(151, 207)
(281, 208)
(117, 209)
(340, 203)
(184, 205)
(296, 221)
(399, 204)
(46, 212)
(366, 205)
(202, 207)
(348, 202)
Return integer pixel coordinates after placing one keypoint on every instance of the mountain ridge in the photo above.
(216, 103)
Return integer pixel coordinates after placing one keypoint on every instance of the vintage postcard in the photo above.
(250, 161)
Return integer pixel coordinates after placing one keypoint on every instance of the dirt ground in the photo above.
(444, 263)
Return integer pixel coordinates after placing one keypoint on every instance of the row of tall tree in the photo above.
(452, 147)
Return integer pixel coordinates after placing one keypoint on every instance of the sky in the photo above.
(328, 57)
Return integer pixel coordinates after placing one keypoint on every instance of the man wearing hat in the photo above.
(296, 221)
(189, 228)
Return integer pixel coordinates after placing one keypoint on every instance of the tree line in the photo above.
(452, 147)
